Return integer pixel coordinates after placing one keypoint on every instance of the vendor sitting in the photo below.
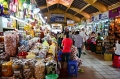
(73, 56)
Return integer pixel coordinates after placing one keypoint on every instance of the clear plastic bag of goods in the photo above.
(42, 53)
(51, 67)
(28, 68)
(7, 70)
(11, 43)
(17, 69)
(39, 70)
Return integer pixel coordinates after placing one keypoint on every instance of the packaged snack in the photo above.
(7, 69)
(17, 69)
(28, 69)
(39, 70)
(11, 40)
(51, 67)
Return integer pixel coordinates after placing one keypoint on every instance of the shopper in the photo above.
(82, 33)
(99, 37)
(70, 34)
(73, 34)
(78, 42)
(67, 44)
(93, 42)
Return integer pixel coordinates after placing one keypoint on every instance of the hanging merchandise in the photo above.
(13, 7)
(28, 1)
(1, 10)
(5, 5)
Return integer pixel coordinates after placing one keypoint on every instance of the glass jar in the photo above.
(7, 69)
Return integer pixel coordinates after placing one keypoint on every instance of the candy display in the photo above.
(51, 67)
(11, 42)
(39, 70)
(31, 55)
(17, 69)
(7, 70)
(31, 58)
(28, 69)
(22, 55)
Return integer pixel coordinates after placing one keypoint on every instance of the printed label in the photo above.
(27, 69)
(16, 71)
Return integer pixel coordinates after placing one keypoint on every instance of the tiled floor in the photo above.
(95, 67)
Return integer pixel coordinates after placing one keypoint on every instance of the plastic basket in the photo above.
(52, 76)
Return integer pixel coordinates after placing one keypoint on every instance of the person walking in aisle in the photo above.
(82, 33)
(78, 42)
(67, 44)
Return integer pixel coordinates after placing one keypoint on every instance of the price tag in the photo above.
(16, 72)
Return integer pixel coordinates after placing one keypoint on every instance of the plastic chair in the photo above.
(116, 61)
(52, 76)
(72, 68)
(59, 55)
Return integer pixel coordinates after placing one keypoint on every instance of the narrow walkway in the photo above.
(95, 67)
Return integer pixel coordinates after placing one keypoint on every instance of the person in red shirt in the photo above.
(67, 44)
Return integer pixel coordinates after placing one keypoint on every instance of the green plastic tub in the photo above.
(51, 76)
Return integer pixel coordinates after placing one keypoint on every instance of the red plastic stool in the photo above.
(116, 61)
(63, 73)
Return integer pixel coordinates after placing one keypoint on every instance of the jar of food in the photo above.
(17, 69)
(7, 69)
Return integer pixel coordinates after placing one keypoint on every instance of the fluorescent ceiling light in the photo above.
(18, 19)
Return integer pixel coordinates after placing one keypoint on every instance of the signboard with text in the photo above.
(115, 12)
(56, 18)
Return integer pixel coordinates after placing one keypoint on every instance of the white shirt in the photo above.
(82, 33)
(117, 51)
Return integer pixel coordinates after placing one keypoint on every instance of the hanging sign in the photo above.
(115, 12)
(56, 18)
(96, 18)
(104, 15)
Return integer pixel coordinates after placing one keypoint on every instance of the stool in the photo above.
(59, 55)
(63, 72)
(72, 68)
(116, 61)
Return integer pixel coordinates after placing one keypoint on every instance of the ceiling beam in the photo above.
(69, 5)
(97, 5)
(76, 19)
(86, 15)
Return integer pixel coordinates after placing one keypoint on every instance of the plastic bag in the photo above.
(39, 70)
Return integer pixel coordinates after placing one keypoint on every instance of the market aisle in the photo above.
(95, 67)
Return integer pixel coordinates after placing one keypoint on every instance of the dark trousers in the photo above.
(79, 52)
(65, 57)
(93, 47)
